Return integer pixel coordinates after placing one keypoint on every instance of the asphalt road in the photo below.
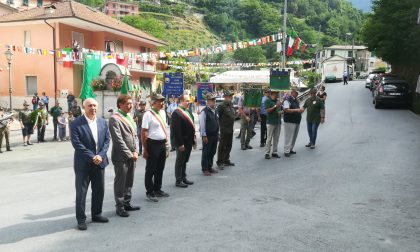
(359, 190)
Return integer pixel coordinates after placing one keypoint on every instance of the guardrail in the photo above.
(306, 93)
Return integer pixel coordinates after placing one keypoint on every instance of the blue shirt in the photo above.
(171, 108)
(262, 108)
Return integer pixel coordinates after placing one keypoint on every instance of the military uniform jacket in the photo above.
(226, 114)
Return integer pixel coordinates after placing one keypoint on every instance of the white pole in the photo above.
(284, 32)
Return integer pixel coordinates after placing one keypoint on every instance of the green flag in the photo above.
(125, 87)
(91, 70)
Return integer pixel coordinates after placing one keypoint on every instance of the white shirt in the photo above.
(93, 125)
(152, 124)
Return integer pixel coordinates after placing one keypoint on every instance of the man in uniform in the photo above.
(124, 154)
(292, 118)
(247, 124)
(41, 121)
(4, 130)
(55, 113)
(226, 114)
(25, 124)
(209, 131)
(273, 107)
(76, 110)
(183, 135)
(138, 117)
(314, 116)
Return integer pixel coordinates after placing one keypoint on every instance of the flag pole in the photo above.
(284, 33)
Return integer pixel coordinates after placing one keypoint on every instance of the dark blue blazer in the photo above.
(84, 145)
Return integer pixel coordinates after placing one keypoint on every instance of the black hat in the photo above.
(227, 93)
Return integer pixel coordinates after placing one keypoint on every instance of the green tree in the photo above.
(147, 24)
(253, 54)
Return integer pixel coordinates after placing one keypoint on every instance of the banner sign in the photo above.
(253, 97)
(279, 80)
(173, 84)
(202, 90)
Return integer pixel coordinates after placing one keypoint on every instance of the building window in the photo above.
(144, 49)
(39, 3)
(119, 46)
(25, 2)
(350, 54)
(113, 12)
(27, 39)
(323, 53)
(132, 7)
(9, 2)
(371, 64)
(31, 85)
(79, 37)
(114, 6)
(332, 53)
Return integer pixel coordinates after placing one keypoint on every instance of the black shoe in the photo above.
(1, 151)
(275, 155)
(161, 194)
(262, 145)
(243, 147)
(253, 133)
(308, 145)
(267, 156)
(287, 154)
(151, 197)
(29, 143)
(292, 152)
(248, 147)
(186, 181)
(228, 163)
(100, 219)
(220, 165)
(82, 226)
(130, 207)
(172, 149)
(122, 212)
(9, 149)
(181, 184)
(238, 136)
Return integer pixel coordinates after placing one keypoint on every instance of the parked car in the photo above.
(381, 77)
(330, 78)
(391, 92)
(368, 80)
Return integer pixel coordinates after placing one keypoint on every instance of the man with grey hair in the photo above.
(314, 116)
(292, 117)
(90, 139)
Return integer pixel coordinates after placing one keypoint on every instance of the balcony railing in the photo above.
(141, 66)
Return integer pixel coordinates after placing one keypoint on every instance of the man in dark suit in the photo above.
(183, 135)
(124, 154)
(90, 139)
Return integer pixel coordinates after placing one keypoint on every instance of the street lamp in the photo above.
(9, 57)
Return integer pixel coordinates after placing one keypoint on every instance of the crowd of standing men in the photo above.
(146, 134)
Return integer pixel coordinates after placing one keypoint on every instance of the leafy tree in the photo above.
(391, 31)
(253, 54)
(147, 24)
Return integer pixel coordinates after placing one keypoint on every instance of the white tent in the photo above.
(258, 77)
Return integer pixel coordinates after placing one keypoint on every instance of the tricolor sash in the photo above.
(187, 116)
(127, 122)
(160, 120)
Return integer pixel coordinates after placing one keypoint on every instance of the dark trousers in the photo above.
(41, 133)
(263, 138)
(46, 106)
(55, 123)
(225, 146)
(139, 137)
(209, 150)
(345, 81)
(181, 161)
(95, 175)
(312, 131)
(155, 164)
(123, 182)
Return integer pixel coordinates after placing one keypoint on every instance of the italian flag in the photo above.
(297, 43)
(290, 46)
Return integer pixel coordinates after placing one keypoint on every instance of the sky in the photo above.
(364, 5)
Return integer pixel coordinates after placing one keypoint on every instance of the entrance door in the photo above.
(145, 87)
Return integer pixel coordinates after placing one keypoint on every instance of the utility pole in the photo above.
(318, 52)
(284, 33)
